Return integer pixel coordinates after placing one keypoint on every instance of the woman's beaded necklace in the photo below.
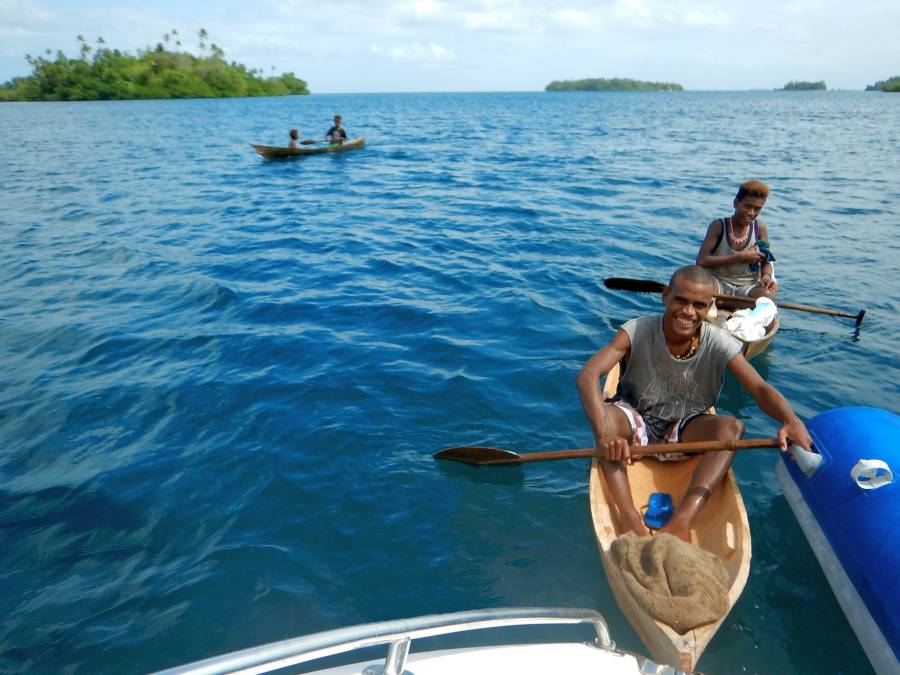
(737, 242)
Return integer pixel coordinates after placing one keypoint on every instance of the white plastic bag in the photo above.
(750, 324)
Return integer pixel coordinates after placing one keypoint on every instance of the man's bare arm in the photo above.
(772, 403)
(589, 378)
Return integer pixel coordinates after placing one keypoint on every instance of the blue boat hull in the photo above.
(855, 533)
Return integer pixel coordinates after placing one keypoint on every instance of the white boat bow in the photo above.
(596, 657)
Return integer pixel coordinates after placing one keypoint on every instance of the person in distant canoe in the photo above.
(736, 248)
(673, 367)
(294, 136)
(336, 134)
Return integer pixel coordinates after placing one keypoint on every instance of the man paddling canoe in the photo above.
(337, 133)
(736, 248)
(673, 370)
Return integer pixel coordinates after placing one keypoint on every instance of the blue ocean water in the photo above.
(224, 377)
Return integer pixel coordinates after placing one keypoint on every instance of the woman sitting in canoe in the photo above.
(294, 134)
(736, 248)
(674, 367)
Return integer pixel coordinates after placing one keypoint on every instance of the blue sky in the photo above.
(491, 45)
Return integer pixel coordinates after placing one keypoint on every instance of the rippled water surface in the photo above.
(224, 377)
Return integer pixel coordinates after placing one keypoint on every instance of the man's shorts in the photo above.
(642, 435)
(726, 288)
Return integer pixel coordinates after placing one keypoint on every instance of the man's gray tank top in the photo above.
(664, 389)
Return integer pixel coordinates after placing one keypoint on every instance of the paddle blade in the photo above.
(478, 455)
(308, 141)
(637, 285)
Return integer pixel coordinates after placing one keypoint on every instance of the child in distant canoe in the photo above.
(336, 134)
(736, 249)
(294, 136)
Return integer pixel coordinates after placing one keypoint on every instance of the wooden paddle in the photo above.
(309, 141)
(479, 455)
(648, 286)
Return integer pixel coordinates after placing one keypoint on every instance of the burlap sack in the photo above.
(676, 583)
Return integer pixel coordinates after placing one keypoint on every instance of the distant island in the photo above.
(893, 84)
(110, 74)
(804, 86)
(612, 84)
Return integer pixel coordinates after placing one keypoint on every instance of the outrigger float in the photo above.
(849, 510)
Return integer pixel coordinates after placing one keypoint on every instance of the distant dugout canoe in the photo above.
(281, 152)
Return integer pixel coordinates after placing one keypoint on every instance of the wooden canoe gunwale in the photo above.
(721, 527)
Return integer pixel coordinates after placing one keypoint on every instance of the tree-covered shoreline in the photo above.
(104, 74)
(611, 84)
(804, 86)
(892, 84)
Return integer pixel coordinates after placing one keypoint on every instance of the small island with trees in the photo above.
(892, 84)
(804, 86)
(110, 74)
(611, 84)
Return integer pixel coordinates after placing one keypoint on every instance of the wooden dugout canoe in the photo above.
(750, 347)
(280, 152)
(721, 527)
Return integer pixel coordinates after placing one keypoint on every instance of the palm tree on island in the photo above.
(153, 73)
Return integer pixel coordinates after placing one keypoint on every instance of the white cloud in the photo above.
(426, 7)
(573, 17)
(24, 12)
(416, 52)
(632, 11)
(392, 45)
(706, 17)
(480, 20)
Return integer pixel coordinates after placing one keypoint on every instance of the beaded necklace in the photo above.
(695, 345)
(735, 240)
